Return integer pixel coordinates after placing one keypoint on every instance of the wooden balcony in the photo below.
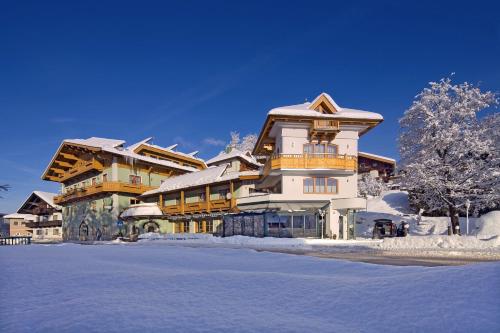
(311, 161)
(106, 187)
(198, 207)
(221, 204)
(81, 167)
(325, 125)
(195, 207)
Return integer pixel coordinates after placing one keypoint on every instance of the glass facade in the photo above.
(279, 225)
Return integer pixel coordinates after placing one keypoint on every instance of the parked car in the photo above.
(384, 228)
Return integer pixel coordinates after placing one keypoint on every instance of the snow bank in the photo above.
(251, 242)
(489, 224)
(433, 242)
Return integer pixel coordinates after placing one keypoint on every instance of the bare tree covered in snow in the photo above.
(246, 144)
(368, 185)
(4, 187)
(448, 155)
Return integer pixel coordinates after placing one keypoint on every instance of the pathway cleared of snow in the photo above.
(149, 287)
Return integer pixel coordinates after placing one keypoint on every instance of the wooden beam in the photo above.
(69, 156)
(161, 200)
(59, 171)
(231, 187)
(64, 164)
(207, 197)
(182, 202)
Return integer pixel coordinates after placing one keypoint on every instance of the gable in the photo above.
(323, 104)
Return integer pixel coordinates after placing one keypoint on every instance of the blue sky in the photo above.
(190, 72)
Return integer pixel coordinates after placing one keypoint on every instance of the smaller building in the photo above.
(38, 217)
(378, 166)
(18, 224)
(4, 226)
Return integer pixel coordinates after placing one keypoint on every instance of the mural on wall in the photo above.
(85, 221)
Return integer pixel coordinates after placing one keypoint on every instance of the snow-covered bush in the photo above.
(448, 155)
(368, 185)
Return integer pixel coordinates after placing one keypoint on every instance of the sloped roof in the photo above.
(147, 142)
(211, 175)
(305, 110)
(235, 153)
(20, 216)
(377, 157)
(116, 147)
(45, 196)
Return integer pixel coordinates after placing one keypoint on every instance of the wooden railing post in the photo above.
(182, 202)
(207, 197)
(231, 188)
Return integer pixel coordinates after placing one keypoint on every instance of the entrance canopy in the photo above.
(143, 210)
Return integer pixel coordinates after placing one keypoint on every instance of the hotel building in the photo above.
(102, 177)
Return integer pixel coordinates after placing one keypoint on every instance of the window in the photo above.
(201, 197)
(222, 194)
(331, 185)
(94, 181)
(134, 201)
(39, 232)
(331, 149)
(55, 232)
(210, 226)
(15, 222)
(104, 177)
(308, 148)
(308, 185)
(136, 180)
(320, 148)
(320, 185)
(186, 226)
(46, 232)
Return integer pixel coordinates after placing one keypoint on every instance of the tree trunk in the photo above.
(455, 224)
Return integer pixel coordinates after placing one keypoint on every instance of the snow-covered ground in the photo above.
(149, 287)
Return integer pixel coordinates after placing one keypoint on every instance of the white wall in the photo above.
(290, 139)
(293, 186)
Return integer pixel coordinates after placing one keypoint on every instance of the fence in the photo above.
(16, 240)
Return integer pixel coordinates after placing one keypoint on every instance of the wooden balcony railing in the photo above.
(311, 161)
(198, 207)
(113, 187)
(325, 125)
(81, 167)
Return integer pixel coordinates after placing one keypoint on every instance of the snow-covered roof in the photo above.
(20, 216)
(235, 153)
(213, 174)
(147, 142)
(116, 147)
(378, 157)
(48, 197)
(142, 209)
(304, 110)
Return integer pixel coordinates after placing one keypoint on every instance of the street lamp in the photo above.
(467, 206)
(322, 214)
